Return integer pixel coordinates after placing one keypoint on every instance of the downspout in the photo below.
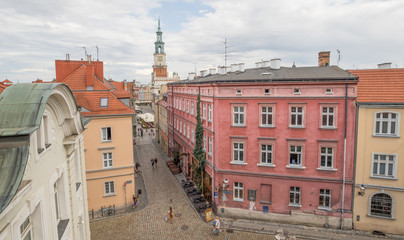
(172, 118)
(354, 166)
(343, 172)
(214, 152)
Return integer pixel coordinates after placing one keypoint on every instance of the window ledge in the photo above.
(328, 128)
(238, 200)
(110, 195)
(267, 126)
(375, 216)
(384, 177)
(241, 126)
(105, 141)
(327, 169)
(265, 202)
(236, 163)
(296, 167)
(324, 208)
(294, 205)
(386, 136)
(266, 165)
(297, 127)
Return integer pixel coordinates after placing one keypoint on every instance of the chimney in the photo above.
(204, 73)
(212, 71)
(222, 70)
(384, 65)
(324, 59)
(234, 67)
(241, 67)
(191, 76)
(89, 76)
(276, 63)
(258, 64)
(125, 85)
(265, 63)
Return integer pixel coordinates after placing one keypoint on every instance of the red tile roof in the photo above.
(91, 101)
(7, 82)
(2, 87)
(380, 85)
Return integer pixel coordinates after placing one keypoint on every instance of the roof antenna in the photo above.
(85, 53)
(339, 56)
(225, 52)
(97, 51)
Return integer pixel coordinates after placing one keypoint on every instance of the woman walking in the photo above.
(170, 214)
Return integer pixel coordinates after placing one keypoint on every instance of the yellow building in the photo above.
(108, 139)
(379, 180)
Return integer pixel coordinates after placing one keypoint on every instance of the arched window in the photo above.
(381, 205)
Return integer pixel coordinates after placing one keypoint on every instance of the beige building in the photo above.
(43, 192)
(160, 120)
(379, 180)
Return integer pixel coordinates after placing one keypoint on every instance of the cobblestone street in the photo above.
(162, 192)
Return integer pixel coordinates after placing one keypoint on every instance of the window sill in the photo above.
(328, 128)
(328, 209)
(267, 126)
(296, 167)
(375, 216)
(240, 126)
(385, 177)
(386, 136)
(265, 202)
(266, 165)
(240, 163)
(110, 195)
(106, 141)
(327, 169)
(238, 200)
(297, 127)
(294, 205)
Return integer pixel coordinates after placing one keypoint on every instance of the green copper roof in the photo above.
(22, 107)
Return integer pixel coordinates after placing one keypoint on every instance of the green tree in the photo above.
(198, 150)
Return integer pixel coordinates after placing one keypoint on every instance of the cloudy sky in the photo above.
(35, 33)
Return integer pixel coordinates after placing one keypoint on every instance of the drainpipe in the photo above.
(172, 118)
(354, 169)
(343, 172)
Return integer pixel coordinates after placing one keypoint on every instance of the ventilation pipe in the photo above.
(276, 63)
(222, 70)
(191, 76)
(265, 63)
(234, 67)
(384, 65)
(241, 67)
(258, 64)
(212, 71)
(204, 73)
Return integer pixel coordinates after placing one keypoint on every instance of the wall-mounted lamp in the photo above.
(362, 190)
(225, 184)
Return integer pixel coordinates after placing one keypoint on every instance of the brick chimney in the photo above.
(324, 59)
(90, 75)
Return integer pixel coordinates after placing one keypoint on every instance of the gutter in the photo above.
(354, 166)
(343, 172)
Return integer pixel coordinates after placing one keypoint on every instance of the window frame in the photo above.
(105, 104)
(210, 113)
(239, 191)
(242, 150)
(300, 144)
(272, 106)
(210, 145)
(397, 124)
(297, 192)
(334, 115)
(323, 197)
(392, 210)
(333, 146)
(188, 131)
(204, 111)
(239, 114)
(106, 134)
(111, 193)
(28, 228)
(108, 160)
(192, 108)
(291, 106)
(261, 163)
(394, 168)
(192, 135)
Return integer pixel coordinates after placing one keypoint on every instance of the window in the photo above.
(238, 152)
(210, 112)
(204, 142)
(381, 205)
(26, 229)
(204, 111)
(177, 125)
(296, 116)
(296, 91)
(238, 115)
(238, 91)
(184, 130)
(386, 123)
(266, 116)
(238, 191)
(188, 131)
(384, 165)
(192, 135)
(267, 91)
(103, 102)
(294, 196)
(183, 105)
(326, 157)
(324, 198)
(181, 126)
(295, 155)
(192, 108)
(179, 103)
(328, 90)
(210, 146)
(107, 160)
(327, 117)
(266, 154)
(109, 188)
(176, 103)
(266, 192)
(187, 106)
(106, 134)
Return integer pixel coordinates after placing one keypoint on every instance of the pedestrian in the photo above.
(134, 202)
(152, 162)
(216, 225)
(155, 161)
(170, 214)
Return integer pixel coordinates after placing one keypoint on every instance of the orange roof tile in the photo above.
(380, 85)
(2, 87)
(7, 82)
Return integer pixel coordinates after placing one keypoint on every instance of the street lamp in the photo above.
(362, 190)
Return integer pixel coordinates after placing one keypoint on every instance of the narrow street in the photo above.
(162, 191)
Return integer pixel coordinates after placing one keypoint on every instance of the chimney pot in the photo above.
(384, 65)
(276, 63)
(324, 59)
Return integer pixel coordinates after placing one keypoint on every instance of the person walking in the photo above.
(152, 162)
(134, 202)
(216, 225)
(155, 161)
(170, 214)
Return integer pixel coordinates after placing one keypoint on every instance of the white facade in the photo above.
(51, 202)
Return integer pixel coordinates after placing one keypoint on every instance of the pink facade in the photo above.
(278, 142)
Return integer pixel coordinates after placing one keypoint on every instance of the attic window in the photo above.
(238, 91)
(267, 91)
(296, 91)
(103, 102)
(328, 91)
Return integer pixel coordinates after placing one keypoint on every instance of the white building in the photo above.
(43, 191)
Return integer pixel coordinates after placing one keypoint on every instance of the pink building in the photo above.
(279, 140)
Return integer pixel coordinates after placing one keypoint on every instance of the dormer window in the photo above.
(238, 91)
(328, 91)
(267, 91)
(296, 91)
(103, 102)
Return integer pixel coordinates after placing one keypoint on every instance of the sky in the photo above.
(35, 33)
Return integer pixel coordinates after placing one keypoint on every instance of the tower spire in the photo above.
(159, 25)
